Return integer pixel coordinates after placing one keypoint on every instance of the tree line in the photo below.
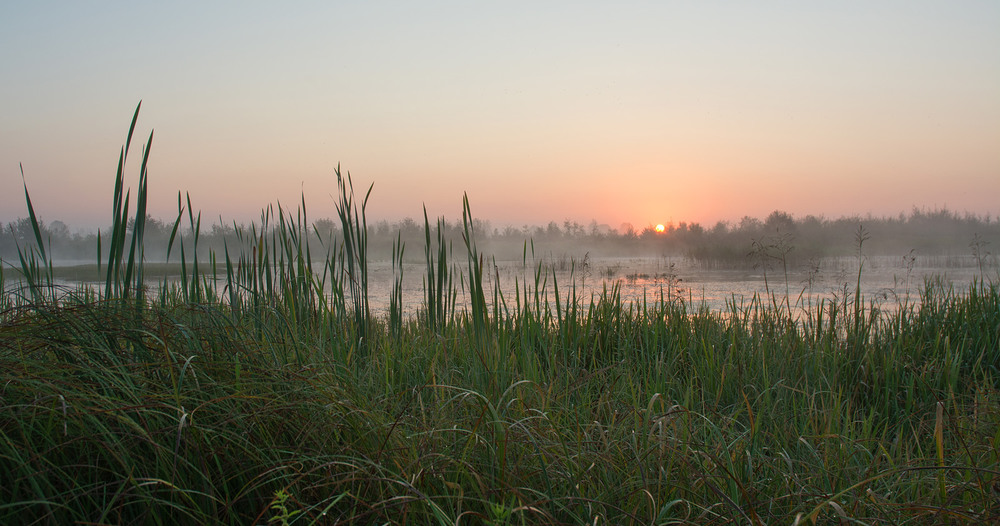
(922, 232)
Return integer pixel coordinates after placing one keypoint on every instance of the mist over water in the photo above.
(886, 281)
(779, 260)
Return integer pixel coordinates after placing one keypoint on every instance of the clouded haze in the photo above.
(636, 112)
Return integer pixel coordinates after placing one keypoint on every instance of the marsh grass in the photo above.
(262, 390)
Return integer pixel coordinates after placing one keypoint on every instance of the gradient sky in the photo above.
(639, 112)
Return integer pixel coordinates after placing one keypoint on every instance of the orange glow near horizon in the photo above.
(737, 125)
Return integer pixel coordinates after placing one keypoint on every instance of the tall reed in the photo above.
(124, 275)
(355, 245)
(439, 296)
(36, 267)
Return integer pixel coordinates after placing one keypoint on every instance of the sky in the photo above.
(619, 112)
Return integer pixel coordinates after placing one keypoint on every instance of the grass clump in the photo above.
(270, 392)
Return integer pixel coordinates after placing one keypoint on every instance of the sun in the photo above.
(660, 229)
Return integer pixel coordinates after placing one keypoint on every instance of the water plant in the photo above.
(271, 392)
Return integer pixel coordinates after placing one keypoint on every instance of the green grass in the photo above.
(260, 388)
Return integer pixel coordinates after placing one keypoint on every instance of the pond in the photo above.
(890, 281)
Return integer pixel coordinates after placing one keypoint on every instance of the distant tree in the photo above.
(482, 228)
(325, 228)
(749, 224)
(780, 221)
(595, 229)
(221, 231)
(721, 228)
(511, 231)
(22, 230)
(409, 227)
(812, 222)
(572, 228)
(153, 227)
(158, 228)
(59, 231)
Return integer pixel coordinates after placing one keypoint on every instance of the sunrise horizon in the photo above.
(637, 113)
(321, 205)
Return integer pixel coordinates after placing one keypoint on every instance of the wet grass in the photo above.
(260, 388)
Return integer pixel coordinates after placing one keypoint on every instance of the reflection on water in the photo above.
(890, 281)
